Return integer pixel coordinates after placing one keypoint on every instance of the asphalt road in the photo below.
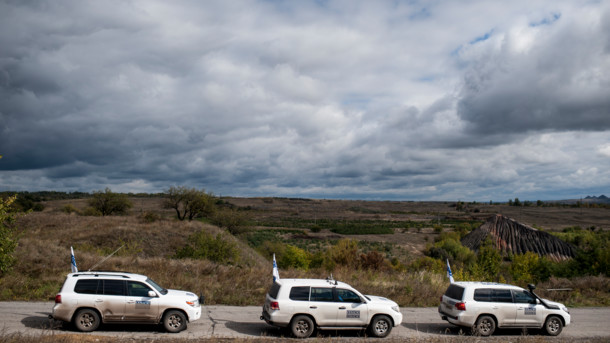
(236, 321)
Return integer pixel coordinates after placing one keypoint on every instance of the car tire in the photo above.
(86, 320)
(174, 321)
(380, 326)
(485, 326)
(301, 326)
(553, 325)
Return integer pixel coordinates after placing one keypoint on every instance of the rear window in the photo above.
(455, 292)
(274, 290)
(299, 293)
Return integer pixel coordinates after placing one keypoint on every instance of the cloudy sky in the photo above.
(396, 100)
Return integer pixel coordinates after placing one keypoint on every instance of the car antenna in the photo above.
(105, 258)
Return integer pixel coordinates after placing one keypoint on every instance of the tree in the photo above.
(107, 202)
(189, 202)
(8, 234)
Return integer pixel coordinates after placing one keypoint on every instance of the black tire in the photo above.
(553, 326)
(301, 326)
(380, 326)
(86, 320)
(485, 326)
(174, 321)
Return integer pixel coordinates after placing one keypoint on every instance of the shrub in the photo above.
(206, 246)
(8, 235)
(230, 219)
(315, 228)
(373, 260)
(149, 217)
(69, 209)
(294, 257)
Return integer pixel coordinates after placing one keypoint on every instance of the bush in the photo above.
(230, 219)
(8, 235)
(294, 257)
(214, 248)
(69, 209)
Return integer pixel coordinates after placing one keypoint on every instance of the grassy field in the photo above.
(389, 236)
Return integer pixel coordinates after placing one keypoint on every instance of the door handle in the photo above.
(131, 302)
(313, 307)
(342, 308)
(99, 300)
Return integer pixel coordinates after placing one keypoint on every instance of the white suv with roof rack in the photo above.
(304, 304)
(485, 306)
(87, 299)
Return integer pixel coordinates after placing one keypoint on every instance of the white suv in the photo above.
(303, 304)
(485, 306)
(88, 298)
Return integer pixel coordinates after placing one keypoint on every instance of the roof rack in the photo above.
(105, 273)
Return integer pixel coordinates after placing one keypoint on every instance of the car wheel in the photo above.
(301, 326)
(553, 326)
(86, 320)
(380, 326)
(174, 321)
(484, 326)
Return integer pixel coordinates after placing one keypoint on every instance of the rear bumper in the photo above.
(272, 320)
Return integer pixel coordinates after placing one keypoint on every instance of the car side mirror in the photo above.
(152, 294)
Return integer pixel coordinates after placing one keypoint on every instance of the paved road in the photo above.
(236, 321)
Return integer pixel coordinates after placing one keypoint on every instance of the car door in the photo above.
(498, 302)
(139, 306)
(111, 301)
(322, 306)
(529, 312)
(353, 311)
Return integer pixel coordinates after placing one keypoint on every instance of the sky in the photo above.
(376, 100)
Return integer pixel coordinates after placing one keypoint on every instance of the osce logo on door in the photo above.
(353, 314)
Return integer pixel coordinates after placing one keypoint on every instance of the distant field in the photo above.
(389, 237)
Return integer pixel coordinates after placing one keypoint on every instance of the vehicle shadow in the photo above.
(40, 322)
(265, 330)
(446, 329)
(256, 329)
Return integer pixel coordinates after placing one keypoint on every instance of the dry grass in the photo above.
(43, 255)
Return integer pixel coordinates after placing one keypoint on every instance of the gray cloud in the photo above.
(381, 100)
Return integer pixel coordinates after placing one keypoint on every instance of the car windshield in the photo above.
(156, 286)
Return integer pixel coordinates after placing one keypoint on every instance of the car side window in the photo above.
(502, 296)
(347, 296)
(493, 295)
(114, 287)
(137, 289)
(482, 294)
(321, 294)
(299, 293)
(86, 286)
(523, 297)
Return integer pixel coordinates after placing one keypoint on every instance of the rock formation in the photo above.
(511, 236)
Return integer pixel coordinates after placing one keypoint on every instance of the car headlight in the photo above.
(565, 309)
(395, 308)
(193, 303)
